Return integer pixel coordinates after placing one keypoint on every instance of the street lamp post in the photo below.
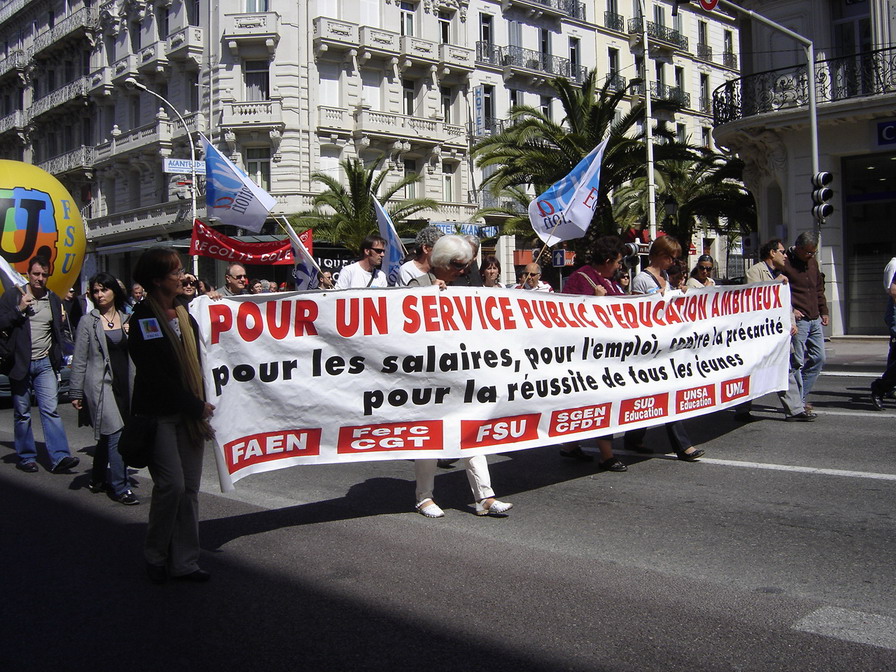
(132, 83)
(648, 117)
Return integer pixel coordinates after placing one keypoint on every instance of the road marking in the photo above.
(852, 374)
(776, 467)
(851, 626)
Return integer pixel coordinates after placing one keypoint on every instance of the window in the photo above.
(408, 96)
(660, 75)
(707, 137)
(258, 166)
(193, 91)
(486, 30)
(544, 41)
(448, 186)
(659, 15)
(162, 22)
(704, 92)
(514, 33)
(444, 26)
(371, 88)
(407, 18)
(613, 62)
(679, 77)
(545, 106)
(328, 74)
(256, 5)
(574, 47)
(514, 97)
(488, 106)
(681, 133)
(410, 168)
(370, 13)
(192, 12)
(134, 32)
(729, 42)
(135, 111)
(702, 32)
(257, 78)
(612, 7)
(447, 96)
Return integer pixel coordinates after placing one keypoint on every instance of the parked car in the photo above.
(64, 380)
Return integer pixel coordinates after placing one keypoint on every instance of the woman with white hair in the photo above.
(419, 263)
(450, 256)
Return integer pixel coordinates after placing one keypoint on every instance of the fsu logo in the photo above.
(29, 226)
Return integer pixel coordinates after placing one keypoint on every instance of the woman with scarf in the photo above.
(163, 344)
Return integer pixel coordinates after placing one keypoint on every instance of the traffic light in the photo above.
(821, 195)
(675, 4)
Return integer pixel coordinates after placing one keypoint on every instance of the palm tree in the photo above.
(344, 213)
(533, 150)
(707, 191)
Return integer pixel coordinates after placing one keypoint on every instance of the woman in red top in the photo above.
(596, 279)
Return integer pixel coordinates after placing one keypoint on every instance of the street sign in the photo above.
(709, 5)
(561, 258)
(183, 166)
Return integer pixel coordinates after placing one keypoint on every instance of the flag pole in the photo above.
(291, 232)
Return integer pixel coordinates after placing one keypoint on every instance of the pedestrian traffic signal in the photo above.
(821, 195)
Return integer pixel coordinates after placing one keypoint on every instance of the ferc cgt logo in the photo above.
(39, 217)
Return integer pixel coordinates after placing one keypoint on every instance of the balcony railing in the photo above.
(84, 18)
(659, 32)
(673, 94)
(616, 82)
(186, 44)
(529, 59)
(614, 21)
(571, 8)
(12, 121)
(729, 60)
(484, 198)
(64, 94)
(865, 74)
(488, 126)
(704, 52)
(17, 60)
(253, 113)
(78, 159)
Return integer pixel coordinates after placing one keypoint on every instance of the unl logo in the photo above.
(28, 225)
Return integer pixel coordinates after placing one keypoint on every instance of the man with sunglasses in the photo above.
(810, 308)
(235, 280)
(367, 271)
(532, 281)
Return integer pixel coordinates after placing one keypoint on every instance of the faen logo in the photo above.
(735, 389)
(643, 408)
(257, 448)
(695, 398)
(582, 419)
(498, 431)
(426, 435)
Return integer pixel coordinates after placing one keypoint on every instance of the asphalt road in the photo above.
(774, 552)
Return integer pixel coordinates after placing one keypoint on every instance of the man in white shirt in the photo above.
(532, 280)
(367, 271)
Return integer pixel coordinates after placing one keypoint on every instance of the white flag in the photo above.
(9, 276)
(230, 196)
(395, 251)
(565, 210)
(306, 272)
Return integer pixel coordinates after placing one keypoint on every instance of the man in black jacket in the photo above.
(33, 320)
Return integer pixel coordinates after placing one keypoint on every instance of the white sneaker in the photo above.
(429, 509)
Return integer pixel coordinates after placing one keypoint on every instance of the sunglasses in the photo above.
(705, 268)
(238, 277)
(459, 265)
(190, 283)
(378, 250)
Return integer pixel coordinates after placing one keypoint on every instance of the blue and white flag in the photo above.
(306, 272)
(565, 210)
(395, 251)
(230, 196)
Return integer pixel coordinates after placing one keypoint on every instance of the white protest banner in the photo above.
(388, 374)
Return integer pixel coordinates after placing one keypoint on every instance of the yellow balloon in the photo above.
(39, 217)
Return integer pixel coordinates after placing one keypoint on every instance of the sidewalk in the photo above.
(866, 354)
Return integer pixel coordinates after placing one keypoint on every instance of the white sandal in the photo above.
(430, 510)
(497, 508)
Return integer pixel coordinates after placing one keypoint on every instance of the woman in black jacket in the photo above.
(163, 344)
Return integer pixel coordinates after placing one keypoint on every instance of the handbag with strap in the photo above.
(138, 436)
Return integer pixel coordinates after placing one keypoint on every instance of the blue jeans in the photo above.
(41, 379)
(808, 348)
(107, 454)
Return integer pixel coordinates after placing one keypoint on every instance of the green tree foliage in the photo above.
(343, 212)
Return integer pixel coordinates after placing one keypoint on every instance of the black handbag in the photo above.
(137, 440)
